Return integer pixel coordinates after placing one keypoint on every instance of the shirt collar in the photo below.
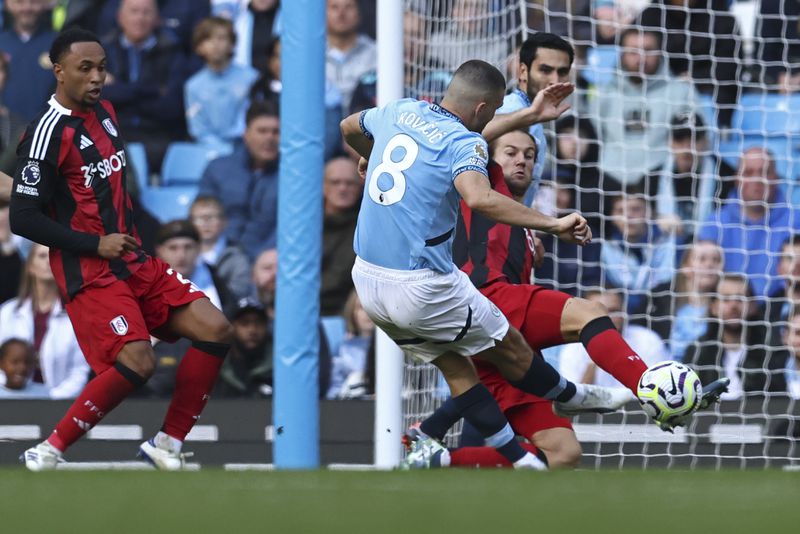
(442, 111)
(148, 43)
(522, 96)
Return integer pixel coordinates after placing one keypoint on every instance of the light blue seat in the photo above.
(184, 163)
(168, 203)
(768, 114)
(138, 157)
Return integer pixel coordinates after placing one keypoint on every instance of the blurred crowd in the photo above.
(669, 150)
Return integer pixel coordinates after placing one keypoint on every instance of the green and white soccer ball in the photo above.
(669, 390)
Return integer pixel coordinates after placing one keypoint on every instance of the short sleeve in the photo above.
(367, 120)
(470, 154)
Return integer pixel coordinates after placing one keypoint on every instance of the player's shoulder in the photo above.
(45, 131)
(108, 107)
(512, 102)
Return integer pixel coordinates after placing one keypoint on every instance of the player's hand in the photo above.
(114, 246)
(549, 103)
(362, 168)
(573, 228)
(538, 252)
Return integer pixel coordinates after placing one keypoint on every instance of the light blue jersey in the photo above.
(410, 205)
(516, 101)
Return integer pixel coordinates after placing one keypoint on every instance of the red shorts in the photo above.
(108, 317)
(536, 313)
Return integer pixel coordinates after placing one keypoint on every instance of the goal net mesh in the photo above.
(651, 151)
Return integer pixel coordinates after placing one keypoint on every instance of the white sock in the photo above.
(530, 461)
(444, 458)
(165, 441)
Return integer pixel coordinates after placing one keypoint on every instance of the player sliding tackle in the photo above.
(422, 157)
(499, 261)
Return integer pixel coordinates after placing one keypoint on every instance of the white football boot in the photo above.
(161, 454)
(596, 399)
(42, 457)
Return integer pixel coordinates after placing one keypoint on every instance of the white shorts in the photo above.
(429, 313)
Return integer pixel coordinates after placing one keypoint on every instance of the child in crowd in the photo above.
(17, 363)
(217, 96)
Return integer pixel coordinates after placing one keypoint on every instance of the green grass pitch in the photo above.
(443, 501)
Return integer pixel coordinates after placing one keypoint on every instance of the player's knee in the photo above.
(220, 331)
(567, 456)
(582, 312)
(139, 358)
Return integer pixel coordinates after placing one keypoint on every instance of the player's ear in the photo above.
(58, 71)
(523, 73)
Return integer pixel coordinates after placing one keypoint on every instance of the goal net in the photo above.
(681, 149)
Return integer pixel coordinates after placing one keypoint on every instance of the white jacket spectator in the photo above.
(64, 369)
(349, 54)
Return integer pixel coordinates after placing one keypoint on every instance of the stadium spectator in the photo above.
(17, 362)
(688, 187)
(702, 41)
(26, 43)
(38, 317)
(228, 259)
(247, 182)
(217, 96)
(781, 303)
(575, 363)
(178, 244)
(752, 224)
(267, 88)
(349, 53)
(146, 70)
(679, 313)
(778, 44)
(265, 274)
(341, 192)
(11, 125)
(738, 345)
(634, 110)
(257, 23)
(247, 371)
(351, 366)
(77, 13)
(470, 32)
(10, 257)
(791, 338)
(562, 17)
(178, 17)
(637, 256)
(168, 356)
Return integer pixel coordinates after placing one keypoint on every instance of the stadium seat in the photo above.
(335, 329)
(184, 163)
(768, 114)
(601, 62)
(138, 157)
(168, 203)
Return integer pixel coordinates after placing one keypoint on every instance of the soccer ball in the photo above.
(669, 390)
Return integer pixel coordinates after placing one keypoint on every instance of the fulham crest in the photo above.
(119, 325)
(109, 126)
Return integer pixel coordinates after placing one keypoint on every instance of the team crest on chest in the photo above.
(31, 174)
(109, 126)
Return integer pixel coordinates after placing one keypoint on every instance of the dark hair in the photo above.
(687, 126)
(734, 277)
(525, 131)
(527, 52)
(176, 228)
(266, 108)
(206, 27)
(791, 240)
(481, 75)
(15, 341)
(65, 39)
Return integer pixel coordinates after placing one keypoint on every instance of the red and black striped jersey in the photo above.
(73, 164)
(489, 251)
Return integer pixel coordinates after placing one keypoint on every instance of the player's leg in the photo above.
(473, 401)
(588, 322)
(560, 446)
(211, 336)
(114, 339)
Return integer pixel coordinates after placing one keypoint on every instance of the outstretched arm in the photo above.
(474, 188)
(549, 104)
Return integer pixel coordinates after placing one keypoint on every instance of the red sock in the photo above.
(194, 380)
(611, 353)
(101, 395)
(483, 456)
